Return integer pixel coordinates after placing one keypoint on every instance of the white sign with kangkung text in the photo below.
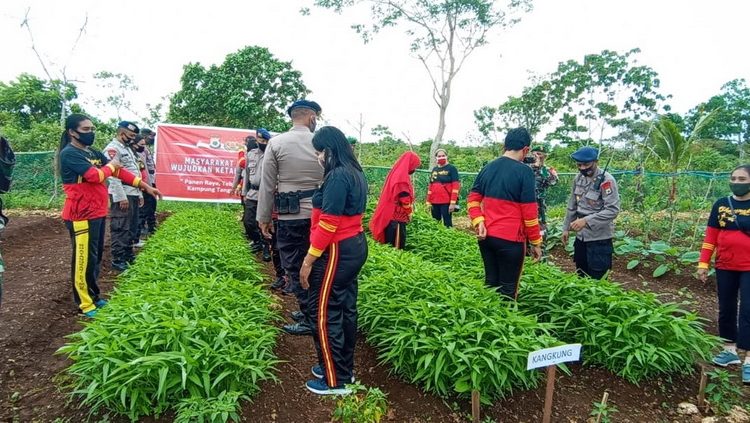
(554, 355)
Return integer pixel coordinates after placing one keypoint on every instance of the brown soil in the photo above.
(37, 312)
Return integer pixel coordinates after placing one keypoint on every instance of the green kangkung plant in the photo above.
(188, 328)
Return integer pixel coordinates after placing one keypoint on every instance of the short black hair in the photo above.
(517, 139)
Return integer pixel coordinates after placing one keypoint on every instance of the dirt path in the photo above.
(37, 312)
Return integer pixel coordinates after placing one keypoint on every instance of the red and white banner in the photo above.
(197, 163)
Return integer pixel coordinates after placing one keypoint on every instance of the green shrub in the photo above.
(443, 331)
(633, 334)
(188, 324)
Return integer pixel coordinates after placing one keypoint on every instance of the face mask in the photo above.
(262, 147)
(587, 172)
(739, 189)
(140, 148)
(86, 138)
(442, 162)
(313, 125)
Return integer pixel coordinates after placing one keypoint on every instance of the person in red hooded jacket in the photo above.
(395, 206)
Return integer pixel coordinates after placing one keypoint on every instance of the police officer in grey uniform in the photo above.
(124, 200)
(592, 209)
(291, 174)
(148, 211)
(246, 169)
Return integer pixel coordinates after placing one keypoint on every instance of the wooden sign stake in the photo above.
(702, 388)
(605, 397)
(475, 406)
(550, 392)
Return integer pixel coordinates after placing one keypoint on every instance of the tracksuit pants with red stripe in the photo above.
(332, 305)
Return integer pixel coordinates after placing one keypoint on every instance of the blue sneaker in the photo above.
(746, 374)
(725, 358)
(100, 303)
(91, 313)
(320, 387)
(317, 371)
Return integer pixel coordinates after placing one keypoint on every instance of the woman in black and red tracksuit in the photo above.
(503, 210)
(442, 194)
(338, 251)
(396, 203)
(728, 234)
(84, 171)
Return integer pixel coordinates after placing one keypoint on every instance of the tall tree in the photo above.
(732, 121)
(444, 33)
(30, 110)
(118, 87)
(250, 89)
(604, 91)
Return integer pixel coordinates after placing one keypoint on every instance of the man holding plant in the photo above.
(592, 208)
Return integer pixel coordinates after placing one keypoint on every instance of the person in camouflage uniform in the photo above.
(545, 177)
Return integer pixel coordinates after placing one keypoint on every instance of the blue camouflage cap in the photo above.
(585, 154)
(304, 104)
(263, 133)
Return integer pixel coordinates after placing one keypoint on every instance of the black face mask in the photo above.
(587, 172)
(739, 189)
(140, 148)
(86, 138)
(262, 147)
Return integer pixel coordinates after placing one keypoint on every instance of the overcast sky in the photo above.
(694, 45)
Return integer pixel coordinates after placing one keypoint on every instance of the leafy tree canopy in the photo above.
(250, 89)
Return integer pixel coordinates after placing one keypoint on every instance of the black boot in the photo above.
(298, 316)
(300, 329)
(280, 283)
(266, 252)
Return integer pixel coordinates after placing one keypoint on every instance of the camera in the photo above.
(529, 159)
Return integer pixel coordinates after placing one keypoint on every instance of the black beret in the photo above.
(517, 139)
(146, 132)
(304, 104)
(130, 126)
(585, 154)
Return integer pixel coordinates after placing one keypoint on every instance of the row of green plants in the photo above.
(188, 327)
(440, 330)
(633, 334)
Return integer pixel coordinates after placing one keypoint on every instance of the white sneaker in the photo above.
(140, 244)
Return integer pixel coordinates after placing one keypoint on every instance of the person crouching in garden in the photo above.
(503, 210)
(442, 194)
(395, 206)
(728, 235)
(83, 171)
(338, 250)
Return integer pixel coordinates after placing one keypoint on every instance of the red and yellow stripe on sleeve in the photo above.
(474, 206)
(708, 247)
(322, 235)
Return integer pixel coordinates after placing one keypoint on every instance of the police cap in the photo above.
(130, 126)
(585, 154)
(304, 104)
(263, 133)
(540, 148)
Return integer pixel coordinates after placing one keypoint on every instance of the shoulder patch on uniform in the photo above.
(607, 187)
(111, 152)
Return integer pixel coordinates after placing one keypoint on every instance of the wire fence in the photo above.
(34, 185)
